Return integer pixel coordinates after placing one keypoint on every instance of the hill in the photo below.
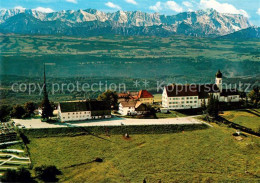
(211, 155)
(244, 34)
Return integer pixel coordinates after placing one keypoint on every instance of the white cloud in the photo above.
(222, 7)
(112, 5)
(173, 6)
(19, 8)
(157, 7)
(258, 11)
(44, 10)
(131, 2)
(187, 4)
(167, 5)
(72, 1)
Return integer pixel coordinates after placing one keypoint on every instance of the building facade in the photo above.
(132, 107)
(83, 110)
(195, 96)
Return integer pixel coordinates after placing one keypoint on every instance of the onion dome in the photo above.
(219, 74)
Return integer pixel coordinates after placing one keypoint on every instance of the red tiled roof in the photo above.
(128, 103)
(144, 94)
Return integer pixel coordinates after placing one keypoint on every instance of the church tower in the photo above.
(219, 80)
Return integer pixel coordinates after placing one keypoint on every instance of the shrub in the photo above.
(47, 173)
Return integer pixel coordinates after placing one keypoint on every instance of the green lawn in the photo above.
(171, 114)
(249, 118)
(157, 97)
(191, 156)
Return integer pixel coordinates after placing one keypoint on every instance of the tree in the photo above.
(110, 97)
(20, 175)
(47, 109)
(29, 108)
(213, 107)
(254, 96)
(5, 111)
(47, 173)
(18, 111)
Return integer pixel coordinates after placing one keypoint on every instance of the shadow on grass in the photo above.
(256, 113)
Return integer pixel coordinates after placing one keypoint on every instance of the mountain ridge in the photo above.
(201, 23)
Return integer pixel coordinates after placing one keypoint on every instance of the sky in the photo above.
(248, 8)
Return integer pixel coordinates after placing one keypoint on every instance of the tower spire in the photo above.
(47, 110)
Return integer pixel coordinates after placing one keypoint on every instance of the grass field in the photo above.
(249, 118)
(157, 97)
(211, 155)
(171, 114)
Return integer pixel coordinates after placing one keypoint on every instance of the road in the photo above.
(115, 121)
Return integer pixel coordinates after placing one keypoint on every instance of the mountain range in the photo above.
(91, 22)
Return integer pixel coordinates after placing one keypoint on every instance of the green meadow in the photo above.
(208, 155)
(249, 118)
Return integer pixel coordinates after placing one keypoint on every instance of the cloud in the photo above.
(44, 10)
(258, 11)
(112, 5)
(173, 6)
(222, 7)
(19, 8)
(167, 5)
(157, 7)
(131, 2)
(187, 4)
(72, 1)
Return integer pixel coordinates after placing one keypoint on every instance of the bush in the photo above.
(47, 173)
(20, 175)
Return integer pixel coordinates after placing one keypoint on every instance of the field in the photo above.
(248, 118)
(209, 155)
(176, 57)
(119, 60)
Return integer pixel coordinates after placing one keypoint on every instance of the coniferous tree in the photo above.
(213, 107)
(47, 109)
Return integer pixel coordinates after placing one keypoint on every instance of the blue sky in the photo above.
(249, 8)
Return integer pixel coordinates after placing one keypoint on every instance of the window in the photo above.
(195, 101)
(76, 113)
(68, 113)
(63, 117)
(69, 117)
(187, 102)
(73, 113)
(182, 98)
(85, 113)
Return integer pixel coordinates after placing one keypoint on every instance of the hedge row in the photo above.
(110, 130)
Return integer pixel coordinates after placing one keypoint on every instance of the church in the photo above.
(195, 96)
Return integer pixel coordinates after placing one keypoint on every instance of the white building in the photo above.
(132, 107)
(83, 110)
(195, 96)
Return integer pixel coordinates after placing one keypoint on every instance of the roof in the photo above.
(191, 90)
(219, 74)
(84, 106)
(141, 107)
(226, 92)
(181, 90)
(144, 94)
(128, 103)
(206, 89)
